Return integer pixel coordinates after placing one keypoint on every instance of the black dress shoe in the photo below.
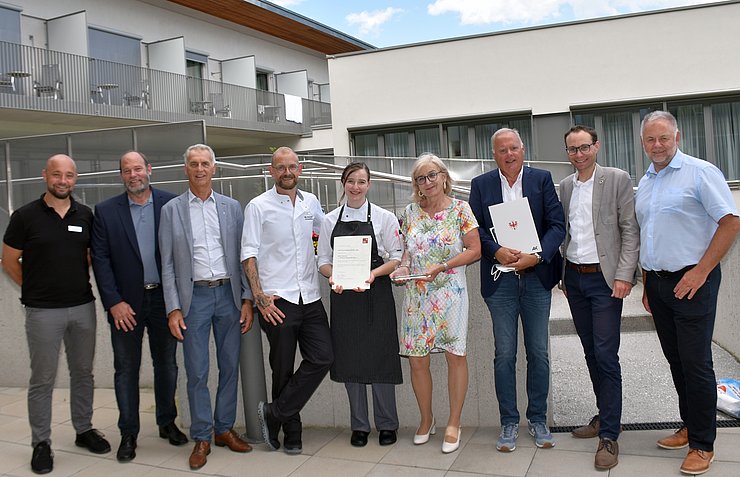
(359, 438)
(42, 460)
(127, 449)
(93, 441)
(269, 425)
(173, 434)
(387, 438)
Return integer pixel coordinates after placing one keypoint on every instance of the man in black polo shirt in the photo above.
(52, 236)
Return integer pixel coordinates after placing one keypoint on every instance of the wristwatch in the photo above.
(539, 257)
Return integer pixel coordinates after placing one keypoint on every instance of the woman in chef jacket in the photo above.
(363, 322)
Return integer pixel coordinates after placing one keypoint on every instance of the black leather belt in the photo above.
(667, 275)
(211, 283)
(525, 270)
(584, 267)
(151, 286)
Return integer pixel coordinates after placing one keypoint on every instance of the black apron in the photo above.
(363, 324)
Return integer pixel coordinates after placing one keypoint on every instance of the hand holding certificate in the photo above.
(351, 262)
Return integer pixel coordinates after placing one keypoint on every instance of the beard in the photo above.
(138, 189)
(57, 194)
(288, 183)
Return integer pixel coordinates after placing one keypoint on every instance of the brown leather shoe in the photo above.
(232, 440)
(677, 440)
(199, 456)
(697, 461)
(589, 430)
(607, 454)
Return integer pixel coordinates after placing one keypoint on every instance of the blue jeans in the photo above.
(685, 330)
(127, 362)
(212, 308)
(597, 318)
(521, 295)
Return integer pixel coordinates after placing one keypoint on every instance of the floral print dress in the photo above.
(435, 314)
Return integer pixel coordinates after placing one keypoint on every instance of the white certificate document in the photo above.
(513, 226)
(351, 261)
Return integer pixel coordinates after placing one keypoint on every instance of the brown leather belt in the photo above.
(584, 268)
(211, 283)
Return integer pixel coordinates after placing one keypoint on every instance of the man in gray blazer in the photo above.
(204, 288)
(601, 248)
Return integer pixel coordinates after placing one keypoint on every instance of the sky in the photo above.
(385, 23)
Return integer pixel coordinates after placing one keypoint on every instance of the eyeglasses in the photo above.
(281, 168)
(584, 148)
(431, 177)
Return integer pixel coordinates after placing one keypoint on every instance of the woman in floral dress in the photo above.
(441, 237)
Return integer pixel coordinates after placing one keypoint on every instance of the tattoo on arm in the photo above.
(250, 269)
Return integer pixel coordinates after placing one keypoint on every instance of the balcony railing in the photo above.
(47, 80)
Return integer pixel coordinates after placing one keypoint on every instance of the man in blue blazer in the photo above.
(127, 270)
(524, 292)
(204, 288)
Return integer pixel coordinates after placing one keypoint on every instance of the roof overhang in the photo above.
(279, 22)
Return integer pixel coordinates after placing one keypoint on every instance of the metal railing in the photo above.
(46, 80)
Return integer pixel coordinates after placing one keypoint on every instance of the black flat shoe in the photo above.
(42, 461)
(387, 438)
(127, 449)
(359, 438)
(93, 441)
(172, 434)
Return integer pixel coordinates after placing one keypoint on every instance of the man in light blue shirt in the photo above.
(688, 221)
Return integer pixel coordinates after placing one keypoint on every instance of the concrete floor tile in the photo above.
(316, 438)
(65, 464)
(386, 470)
(262, 461)
(727, 448)
(322, 466)
(643, 443)
(484, 459)
(14, 456)
(340, 448)
(15, 429)
(428, 455)
(555, 463)
(113, 468)
(632, 465)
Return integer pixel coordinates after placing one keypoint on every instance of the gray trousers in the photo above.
(384, 406)
(45, 330)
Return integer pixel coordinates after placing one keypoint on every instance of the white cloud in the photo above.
(370, 22)
(477, 12)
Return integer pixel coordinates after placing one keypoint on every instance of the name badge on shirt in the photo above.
(307, 215)
(74, 228)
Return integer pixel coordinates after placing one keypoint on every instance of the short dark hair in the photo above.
(581, 128)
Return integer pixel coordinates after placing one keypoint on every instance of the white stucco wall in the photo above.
(217, 38)
(545, 70)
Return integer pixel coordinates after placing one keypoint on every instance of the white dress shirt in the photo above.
(514, 192)
(385, 227)
(278, 234)
(209, 262)
(582, 245)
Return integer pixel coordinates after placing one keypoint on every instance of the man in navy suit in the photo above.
(525, 291)
(205, 288)
(128, 269)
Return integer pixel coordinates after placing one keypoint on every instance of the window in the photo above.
(263, 83)
(10, 25)
(457, 141)
(195, 66)
(710, 130)
(470, 140)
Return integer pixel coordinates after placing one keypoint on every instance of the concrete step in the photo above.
(634, 316)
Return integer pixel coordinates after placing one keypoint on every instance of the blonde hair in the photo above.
(423, 160)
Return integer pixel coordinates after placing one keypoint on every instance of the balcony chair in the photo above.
(141, 99)
(51, 82)
(217, 105)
